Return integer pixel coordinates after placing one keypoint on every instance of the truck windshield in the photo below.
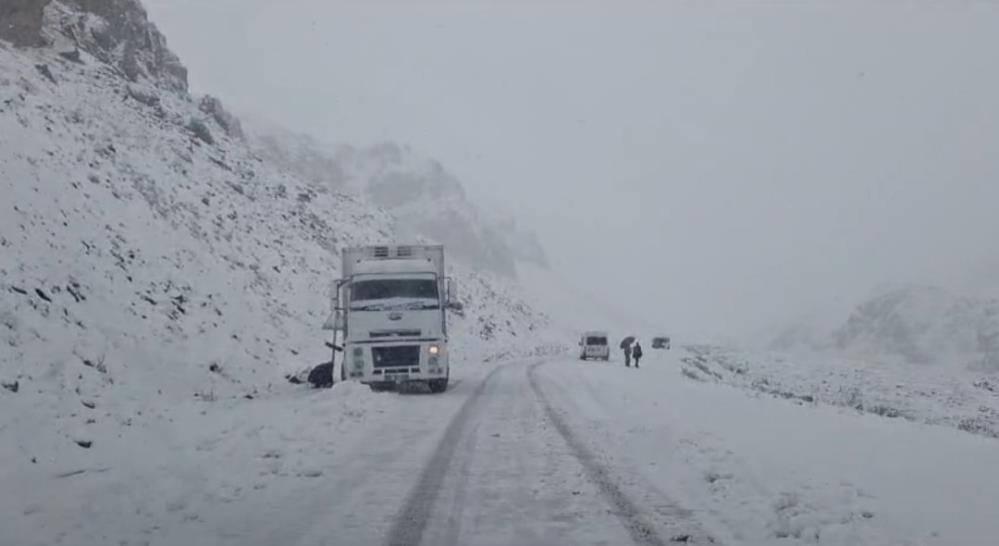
(596, 340)
(381, 294)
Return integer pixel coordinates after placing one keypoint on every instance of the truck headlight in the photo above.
(435, 350)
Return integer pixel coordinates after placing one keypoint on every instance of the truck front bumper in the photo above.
(396, 362)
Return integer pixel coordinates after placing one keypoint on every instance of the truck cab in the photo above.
(593, 346)
(390, 309)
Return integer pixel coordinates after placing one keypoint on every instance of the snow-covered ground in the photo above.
(761, 470)
(536, 451)
(964, 398)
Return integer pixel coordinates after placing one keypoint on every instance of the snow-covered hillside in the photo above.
(919, 353)
(151, 259)
(923, 325)
(423, 196)
(964, 399)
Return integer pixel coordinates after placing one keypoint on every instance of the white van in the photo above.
(593, 346)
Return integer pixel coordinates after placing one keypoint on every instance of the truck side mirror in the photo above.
(452, 302)
(335, 295)
(334, 322)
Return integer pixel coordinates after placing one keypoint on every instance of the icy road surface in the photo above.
(490, 462)
(536, 452)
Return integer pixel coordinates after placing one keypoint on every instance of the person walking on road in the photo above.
(627, 355)
(637, 353)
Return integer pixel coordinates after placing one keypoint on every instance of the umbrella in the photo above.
(626, 342)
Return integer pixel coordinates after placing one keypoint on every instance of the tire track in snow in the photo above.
(640, 530)
(412, 520)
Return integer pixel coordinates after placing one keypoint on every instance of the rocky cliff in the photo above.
(117, 32)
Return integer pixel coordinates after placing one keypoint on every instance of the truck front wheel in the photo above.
(437, 385)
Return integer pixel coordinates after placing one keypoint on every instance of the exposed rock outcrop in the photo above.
(229, 123)
(21, 22)
(119, 33)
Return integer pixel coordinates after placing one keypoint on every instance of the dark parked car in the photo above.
(661, 342)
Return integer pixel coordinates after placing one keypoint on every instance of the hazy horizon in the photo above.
(719, 168)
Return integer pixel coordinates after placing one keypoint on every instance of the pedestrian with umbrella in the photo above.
(626, 347)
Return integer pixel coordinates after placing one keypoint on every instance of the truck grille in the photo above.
(399, 333)
(390, 357)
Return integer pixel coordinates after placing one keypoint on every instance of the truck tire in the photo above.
(438, 385)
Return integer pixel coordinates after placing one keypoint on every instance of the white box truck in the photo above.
(389, 309)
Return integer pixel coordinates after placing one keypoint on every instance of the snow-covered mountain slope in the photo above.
(955, 397)
(905, 324)
(424, 197)
(149, 258)
(922, 324)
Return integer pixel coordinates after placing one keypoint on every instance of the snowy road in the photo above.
(540, 452)
(492, 462)
(510, 470)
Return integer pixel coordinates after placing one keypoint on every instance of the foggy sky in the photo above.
(716, 167)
